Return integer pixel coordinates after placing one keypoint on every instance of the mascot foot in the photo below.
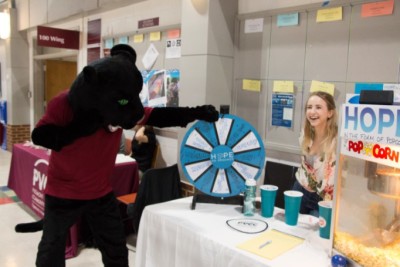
(29, 227)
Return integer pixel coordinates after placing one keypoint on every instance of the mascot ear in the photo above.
(90, 75)
(125, 50)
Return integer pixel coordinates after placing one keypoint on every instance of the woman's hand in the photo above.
(140, 136)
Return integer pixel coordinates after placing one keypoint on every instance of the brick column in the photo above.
(187, 189)
(17, 134)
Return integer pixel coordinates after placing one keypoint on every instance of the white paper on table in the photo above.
(150, 57)
(121, 158)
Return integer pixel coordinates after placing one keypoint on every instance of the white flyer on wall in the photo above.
(150, 57)
(173, 49)
(253, 25)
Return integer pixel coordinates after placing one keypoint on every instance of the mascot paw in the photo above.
(29, 227)
(205, 113)
(56, 137)
(112, 129)
(48, 136)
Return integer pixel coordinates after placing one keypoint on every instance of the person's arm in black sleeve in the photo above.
(151, 136)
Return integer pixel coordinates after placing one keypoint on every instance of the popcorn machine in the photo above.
(367, 198)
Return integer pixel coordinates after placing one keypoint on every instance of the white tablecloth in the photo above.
(173, 235)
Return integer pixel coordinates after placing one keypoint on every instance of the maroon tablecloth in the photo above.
(28, 177)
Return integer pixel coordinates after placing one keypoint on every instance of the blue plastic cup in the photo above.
(292, 206)
(268, 196)
(325, 215)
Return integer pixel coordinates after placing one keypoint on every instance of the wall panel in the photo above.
(354, 49)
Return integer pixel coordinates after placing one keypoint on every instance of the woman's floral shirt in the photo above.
(317, 174)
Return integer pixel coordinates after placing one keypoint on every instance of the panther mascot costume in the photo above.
(83, 128)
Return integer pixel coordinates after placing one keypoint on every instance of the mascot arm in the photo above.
(55, 137)
(58, 127)
(180, 116)
(50, 136)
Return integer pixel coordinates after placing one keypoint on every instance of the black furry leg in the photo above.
(29, 227)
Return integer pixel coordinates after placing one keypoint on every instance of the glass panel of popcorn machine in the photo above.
(367, 214)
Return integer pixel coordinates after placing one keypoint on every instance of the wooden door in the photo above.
(59, 76)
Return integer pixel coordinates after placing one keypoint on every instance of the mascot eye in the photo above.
(123, 102)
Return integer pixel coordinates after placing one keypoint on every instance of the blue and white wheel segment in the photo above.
(218, 157)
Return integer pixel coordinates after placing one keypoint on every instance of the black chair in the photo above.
(281, 175)
(157, 185)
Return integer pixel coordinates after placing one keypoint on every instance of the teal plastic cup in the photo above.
(268, 196)
(292, 206)
(325, 216)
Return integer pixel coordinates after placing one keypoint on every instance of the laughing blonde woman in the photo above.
(315, 177)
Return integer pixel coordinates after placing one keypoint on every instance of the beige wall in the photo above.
(208, 33)
(258, 6)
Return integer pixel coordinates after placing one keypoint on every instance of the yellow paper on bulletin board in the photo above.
(138, 38)
(277, 244)
(155, 36)
(324, 87)
(330, 14)
(252, 85)
(283, 86)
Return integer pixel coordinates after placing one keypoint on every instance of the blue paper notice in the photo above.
(288, 19)
(282, 110)
(109, 43)
(367, 86)
(124, 40)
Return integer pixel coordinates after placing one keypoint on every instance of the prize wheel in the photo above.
(218, 157)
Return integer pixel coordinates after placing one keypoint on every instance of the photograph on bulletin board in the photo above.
(160, 88)
(282, 110)
(173, 77)
(156, 88)
(144, 94)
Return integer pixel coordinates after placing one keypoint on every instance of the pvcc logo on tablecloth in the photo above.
(40, 174)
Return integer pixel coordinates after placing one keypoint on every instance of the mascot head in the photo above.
(110, 88)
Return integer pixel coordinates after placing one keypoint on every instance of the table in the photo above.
(171, 234)
(28, 176)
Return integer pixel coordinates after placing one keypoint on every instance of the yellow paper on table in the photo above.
(276, 242)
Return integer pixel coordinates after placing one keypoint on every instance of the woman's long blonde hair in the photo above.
(329, 143)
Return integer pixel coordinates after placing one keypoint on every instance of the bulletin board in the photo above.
(166, 65)
(141, 48)
(344, 52)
